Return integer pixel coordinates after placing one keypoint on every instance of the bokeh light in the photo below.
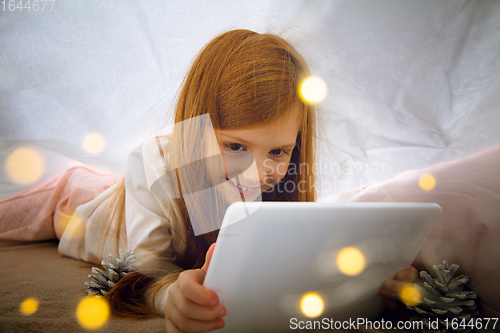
(25, 166)
(312, 305)
(410, 295)
(351, 261)
(427, 182)
(94, 143)
(29, 306)
(312, 90)
(92, 312)
(72, 226)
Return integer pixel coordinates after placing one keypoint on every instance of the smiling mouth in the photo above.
(243, 187)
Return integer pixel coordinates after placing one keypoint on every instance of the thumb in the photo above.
(208, 257)
(410, 274)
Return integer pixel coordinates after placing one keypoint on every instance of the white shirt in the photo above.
(153, 228)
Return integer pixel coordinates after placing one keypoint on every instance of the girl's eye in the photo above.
(235, 146)
(278, 152)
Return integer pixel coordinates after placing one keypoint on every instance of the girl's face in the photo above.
(270, 144)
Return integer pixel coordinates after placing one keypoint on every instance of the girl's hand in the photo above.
(190, 307)
(391, 288)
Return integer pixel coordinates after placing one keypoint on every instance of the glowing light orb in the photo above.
(92, 312)
(72, 226)
(25, 166)
(427, 182)
(351, 261)
(29, 306)
(312, 90)
(312, 305)
(94, 143)
(410, 295)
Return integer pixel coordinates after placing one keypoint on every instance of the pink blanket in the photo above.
(29, 216)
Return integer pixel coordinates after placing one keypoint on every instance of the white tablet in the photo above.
(279, 264)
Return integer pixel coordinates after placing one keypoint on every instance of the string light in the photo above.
(29, 306)
(94, 143)
(92, 312)
(351, 261)
(312, 90)
(427, 182)
(25, 166)
(312, 305)
(410, 295)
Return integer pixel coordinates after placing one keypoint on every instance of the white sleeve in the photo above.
(147, 224)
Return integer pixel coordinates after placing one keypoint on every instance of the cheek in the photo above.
(281, 169)
(214, 169)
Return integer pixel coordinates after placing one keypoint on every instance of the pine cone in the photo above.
(102, 282)
(444, 298)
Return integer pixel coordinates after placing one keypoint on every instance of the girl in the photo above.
(247, 83)
(169, 205)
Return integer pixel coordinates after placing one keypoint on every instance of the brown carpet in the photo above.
(38, 270)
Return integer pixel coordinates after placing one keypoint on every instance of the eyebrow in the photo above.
(285, 146)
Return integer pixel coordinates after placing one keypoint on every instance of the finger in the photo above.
(391, 289)
(193, 326)
(392, 305)
(190, 287)
(192, 310)
(175, 321)
(208, 257)
(170, 326)
(410, 275)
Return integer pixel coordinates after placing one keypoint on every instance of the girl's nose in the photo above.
(259, 172)
(251, 175)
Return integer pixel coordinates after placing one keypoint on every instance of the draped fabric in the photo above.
(410, 83)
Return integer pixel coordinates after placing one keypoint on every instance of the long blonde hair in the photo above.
(241, 79)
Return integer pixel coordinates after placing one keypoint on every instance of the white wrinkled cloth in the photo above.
(410, 83)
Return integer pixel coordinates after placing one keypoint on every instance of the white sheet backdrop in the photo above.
(411, 83)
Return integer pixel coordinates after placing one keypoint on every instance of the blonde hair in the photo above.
(241, 79)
